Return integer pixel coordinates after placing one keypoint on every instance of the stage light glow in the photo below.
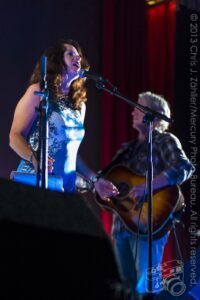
(156, 2)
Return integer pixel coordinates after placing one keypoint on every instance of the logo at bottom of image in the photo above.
(168, 276)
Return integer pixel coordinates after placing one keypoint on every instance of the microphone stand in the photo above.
(150, 115)
(42, 170)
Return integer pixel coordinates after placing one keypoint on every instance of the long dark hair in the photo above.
(55, 66)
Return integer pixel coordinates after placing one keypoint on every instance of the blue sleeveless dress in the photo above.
(66, 132)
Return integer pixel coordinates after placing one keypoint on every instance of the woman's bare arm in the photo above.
(24, 116)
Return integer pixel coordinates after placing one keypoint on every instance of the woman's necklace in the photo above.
(63, 93)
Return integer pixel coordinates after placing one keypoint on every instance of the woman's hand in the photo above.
(50, 163)
(105, 189)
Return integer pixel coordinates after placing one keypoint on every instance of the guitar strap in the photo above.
(117, 160)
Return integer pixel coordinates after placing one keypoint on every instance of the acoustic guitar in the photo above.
(166, 204)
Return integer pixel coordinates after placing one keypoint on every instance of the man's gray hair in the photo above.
(159, 104)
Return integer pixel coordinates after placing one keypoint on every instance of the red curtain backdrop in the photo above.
(138, 55)
(161, 23)
(161, 49)
(124, 35)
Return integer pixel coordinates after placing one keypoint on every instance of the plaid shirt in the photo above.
(168, 159)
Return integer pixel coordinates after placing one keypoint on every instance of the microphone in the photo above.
(43, 67)
(84, 73)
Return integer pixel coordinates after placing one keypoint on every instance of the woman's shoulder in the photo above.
(83, 107)
(29, 96)
(33, 87)
(83, 110)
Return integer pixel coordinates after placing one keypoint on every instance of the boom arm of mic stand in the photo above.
(114, 92)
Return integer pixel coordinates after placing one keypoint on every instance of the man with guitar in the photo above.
(171, 167)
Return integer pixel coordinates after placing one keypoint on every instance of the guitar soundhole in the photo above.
(123, 188)
(121, 201)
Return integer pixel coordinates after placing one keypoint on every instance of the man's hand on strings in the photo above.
(137, 192)
(105, 189)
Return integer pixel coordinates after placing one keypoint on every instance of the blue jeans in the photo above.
(134, 270)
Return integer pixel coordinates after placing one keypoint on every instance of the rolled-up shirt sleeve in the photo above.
(178, 167)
